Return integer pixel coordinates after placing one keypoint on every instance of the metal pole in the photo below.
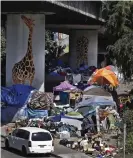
(124, 143)
(98, 119)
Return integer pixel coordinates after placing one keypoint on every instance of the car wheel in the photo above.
(24, 151)
(7, 144)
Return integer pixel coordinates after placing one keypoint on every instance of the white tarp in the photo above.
(73, 122)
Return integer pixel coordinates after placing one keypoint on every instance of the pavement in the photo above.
(60, 152)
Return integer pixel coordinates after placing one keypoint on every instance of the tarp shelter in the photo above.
(98, 101)
(15, 100)
(88, 106)
(96, 90)
(64, 98)
(36, 113)
(40, 100)
(15, 95)
(64, 86)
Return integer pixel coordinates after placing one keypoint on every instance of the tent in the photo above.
(98, 101)
(64, 86)
(88, 106)
(23, 101)
(95, 90)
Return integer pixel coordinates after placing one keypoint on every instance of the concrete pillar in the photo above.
(92, 36)
(17, 44)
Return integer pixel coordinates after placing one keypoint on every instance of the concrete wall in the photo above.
(92, 36)
(17, 42)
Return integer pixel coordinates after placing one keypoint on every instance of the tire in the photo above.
(7, 144)
(24, 151)
(48, 154)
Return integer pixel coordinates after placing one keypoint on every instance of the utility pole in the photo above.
(124, 143)
(98, 119)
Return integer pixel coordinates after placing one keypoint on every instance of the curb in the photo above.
(56, 156)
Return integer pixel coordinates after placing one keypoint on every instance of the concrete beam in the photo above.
(69, 27)
(78, 10)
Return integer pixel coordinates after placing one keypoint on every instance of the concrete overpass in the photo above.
(80, 19)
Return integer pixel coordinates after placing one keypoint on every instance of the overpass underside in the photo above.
(81, 20)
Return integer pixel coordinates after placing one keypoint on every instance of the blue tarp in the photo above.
(57, 118)
(15, 95)
(15, 98)
(8, 113)
(64, 98)
(36, 113)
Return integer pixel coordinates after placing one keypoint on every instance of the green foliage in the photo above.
(128, 119)
(52, 51)
(3, 56)
(3, 44)
(119, 29)
(129, 143)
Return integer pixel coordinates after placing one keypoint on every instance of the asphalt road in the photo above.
(60, 152)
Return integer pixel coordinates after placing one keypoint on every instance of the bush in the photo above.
(128, 119)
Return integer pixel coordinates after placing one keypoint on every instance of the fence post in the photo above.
(124, 143)
(98, 119)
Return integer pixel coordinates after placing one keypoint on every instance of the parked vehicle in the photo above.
(30, 140)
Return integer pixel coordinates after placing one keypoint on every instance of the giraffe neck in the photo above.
(29, 49)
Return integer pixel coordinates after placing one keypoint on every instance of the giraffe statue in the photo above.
(24, 70)
(82, 49)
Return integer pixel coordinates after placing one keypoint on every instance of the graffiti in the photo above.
(82, 49)
(24, 70)
(124, 99)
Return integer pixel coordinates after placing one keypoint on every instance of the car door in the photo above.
(22, 138)
(12, 139)
(16, 139)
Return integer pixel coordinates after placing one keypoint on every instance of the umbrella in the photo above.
(97, 91)
(104, 76)
(64, 86)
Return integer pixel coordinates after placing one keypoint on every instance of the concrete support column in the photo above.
(92, 46)
(17, 45)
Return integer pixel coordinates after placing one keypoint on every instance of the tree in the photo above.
(3, 56)
(119, 29)
(128, 119)
(52, 51)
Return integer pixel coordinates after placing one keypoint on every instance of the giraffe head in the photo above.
(29, 22)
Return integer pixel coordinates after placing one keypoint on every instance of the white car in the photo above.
(30, 140)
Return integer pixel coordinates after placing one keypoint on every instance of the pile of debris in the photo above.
(93, 144)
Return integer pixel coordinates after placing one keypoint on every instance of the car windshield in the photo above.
(41, 136)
